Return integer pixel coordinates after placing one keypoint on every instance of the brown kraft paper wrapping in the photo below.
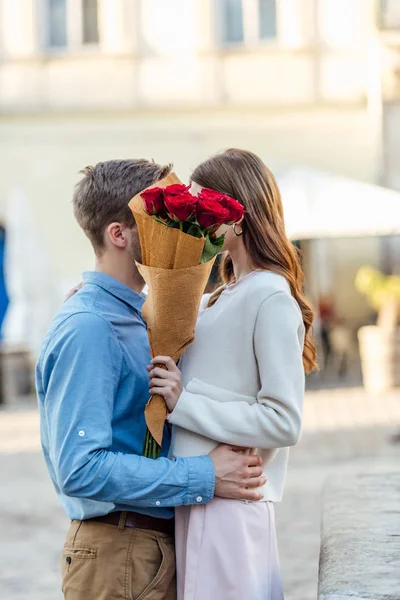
(176, 281)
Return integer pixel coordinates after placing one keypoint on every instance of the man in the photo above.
(92, 387)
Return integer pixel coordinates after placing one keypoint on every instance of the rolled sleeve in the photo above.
(80, 374)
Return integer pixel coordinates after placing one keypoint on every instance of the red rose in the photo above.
(154, 201)
(210, 213)
(181, 206)
(208, 194)
(236, 210)
(176, 189)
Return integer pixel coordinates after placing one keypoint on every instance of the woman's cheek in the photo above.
(229, 235)
(223, 229)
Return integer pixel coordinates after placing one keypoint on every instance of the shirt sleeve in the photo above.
(274, 421)
(80, 373)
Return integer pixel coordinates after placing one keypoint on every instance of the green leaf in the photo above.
(218, 241)
(173, 224)
(211, 248)
(195, 230)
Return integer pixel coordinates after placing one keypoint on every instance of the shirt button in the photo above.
(199, 499)
(158, 503)
(81, 433)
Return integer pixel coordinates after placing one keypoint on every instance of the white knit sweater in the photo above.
(243, 376)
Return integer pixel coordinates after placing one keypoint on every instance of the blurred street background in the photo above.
(313, 87)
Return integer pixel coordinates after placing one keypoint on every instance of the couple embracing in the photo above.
(197, 523)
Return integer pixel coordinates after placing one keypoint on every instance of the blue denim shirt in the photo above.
(92, 387)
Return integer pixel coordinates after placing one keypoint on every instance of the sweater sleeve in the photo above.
(274, 421)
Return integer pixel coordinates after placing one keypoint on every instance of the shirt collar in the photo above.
(116, 288)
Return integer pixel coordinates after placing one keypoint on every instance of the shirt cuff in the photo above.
(201, 486)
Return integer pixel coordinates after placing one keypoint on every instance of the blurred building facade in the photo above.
(297, 81)
(389, 26)
(140, 54)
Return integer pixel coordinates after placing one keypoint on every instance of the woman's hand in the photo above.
(165, 381)
(73, 291)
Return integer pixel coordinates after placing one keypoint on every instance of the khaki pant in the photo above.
(106, 562)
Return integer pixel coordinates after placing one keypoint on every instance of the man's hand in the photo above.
(165, 380)
(237, 477)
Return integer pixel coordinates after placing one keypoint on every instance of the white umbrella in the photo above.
(323, 205)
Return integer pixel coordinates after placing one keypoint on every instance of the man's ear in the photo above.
(117, 234)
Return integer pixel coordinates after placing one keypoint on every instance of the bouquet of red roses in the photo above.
(179, 241)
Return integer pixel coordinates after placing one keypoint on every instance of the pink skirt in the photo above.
(226, 550)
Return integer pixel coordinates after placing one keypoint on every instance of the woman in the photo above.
(242, 383)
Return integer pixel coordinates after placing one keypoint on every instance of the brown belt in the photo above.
(138, 521)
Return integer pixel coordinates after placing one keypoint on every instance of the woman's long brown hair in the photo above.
(245, 177)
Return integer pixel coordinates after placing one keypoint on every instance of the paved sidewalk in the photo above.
(344, 432)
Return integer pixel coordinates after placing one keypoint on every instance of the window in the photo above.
(390, 14)
(72, 24)
(57, 20)
(247, 22)
(266, 19)
(232, 21)
(90, 26)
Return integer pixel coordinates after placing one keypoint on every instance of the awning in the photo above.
(323, 205)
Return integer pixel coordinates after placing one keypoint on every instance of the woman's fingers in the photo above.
(165, 360)
(73, 291)
(161, 374)
(159, 383)
(159, 391)
(165, 382)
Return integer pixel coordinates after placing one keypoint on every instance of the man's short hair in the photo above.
(102, 196)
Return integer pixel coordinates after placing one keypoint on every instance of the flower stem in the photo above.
(151, 449)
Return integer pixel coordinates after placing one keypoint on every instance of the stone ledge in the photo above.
(360, 540)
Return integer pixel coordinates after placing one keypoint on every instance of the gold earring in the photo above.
(234, 230)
